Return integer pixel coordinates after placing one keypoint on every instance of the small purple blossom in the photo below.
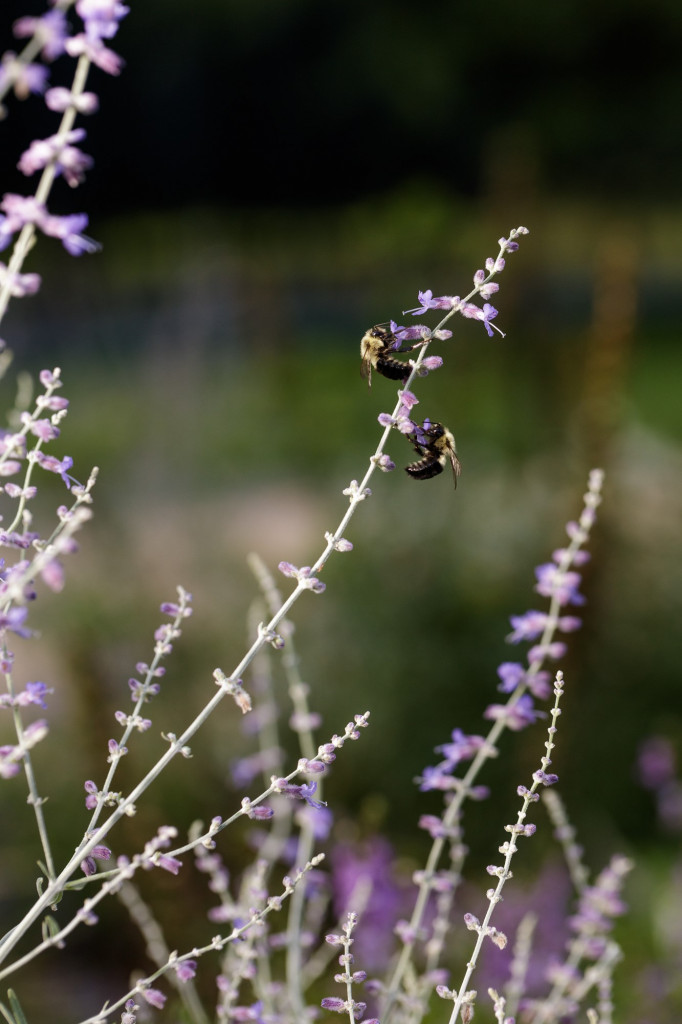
(60, 99)
(186, 970)
(92, 794)
(429, 364)
(34, 693)
(511, 673)
(334, 1004)
(656, 762)
(23, 78)
(95, 50)
(546, 778)
(301, 792)
(154, 997)
(461, 747)
(407, 400)
(59, 150)
(318, 819)
(515, 716)
(13, 620)
(554, 651)
(527, 627)
(427, 301)
(303, 576)
(55, 465)
(69, 231)
(50, 31)
(552, 582)
(486, 314)
(101, 17)
(18, 284)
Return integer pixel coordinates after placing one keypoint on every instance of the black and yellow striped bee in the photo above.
(435, 445)
(376, 349)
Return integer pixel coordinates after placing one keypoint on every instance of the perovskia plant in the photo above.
(246, 952)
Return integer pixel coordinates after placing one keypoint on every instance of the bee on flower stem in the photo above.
(376, 349)
(435, 445)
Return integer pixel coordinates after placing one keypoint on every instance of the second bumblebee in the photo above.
(436, 446)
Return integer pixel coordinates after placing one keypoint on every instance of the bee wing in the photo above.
(456, 466)
(366, 370)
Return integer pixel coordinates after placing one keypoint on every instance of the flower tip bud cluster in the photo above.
(302, 575)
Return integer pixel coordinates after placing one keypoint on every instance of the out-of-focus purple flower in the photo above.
(68, 230)
(60, 99)
(101, 17)
(435, 827)
(95, 50)
(670, 806)
(600, 903)
(656, 762)
(19, 284)
(320, 820)
(35, 693)
(9, 766)
(527, 626)
(186, 970)
(511, 673)
(60, 149)
(436, 777)
(50, 30)
(13, 620)
(45, 430)
(552, 582)
(516, 716)
(305, 721)
(461, 747)
(246, 769)
(361, 866)
(19, 210)
(154, 997)
(23, 78)
(555, 650)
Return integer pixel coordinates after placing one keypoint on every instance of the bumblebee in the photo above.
(435, 445)
(375, 349)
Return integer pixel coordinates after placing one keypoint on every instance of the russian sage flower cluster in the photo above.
(50, 38)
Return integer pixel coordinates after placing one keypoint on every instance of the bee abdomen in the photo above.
(392, 368)
(425, 468)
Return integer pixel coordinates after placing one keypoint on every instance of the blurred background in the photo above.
(270, 181)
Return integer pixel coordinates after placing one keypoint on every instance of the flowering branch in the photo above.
(485, 929)
(558, 582)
